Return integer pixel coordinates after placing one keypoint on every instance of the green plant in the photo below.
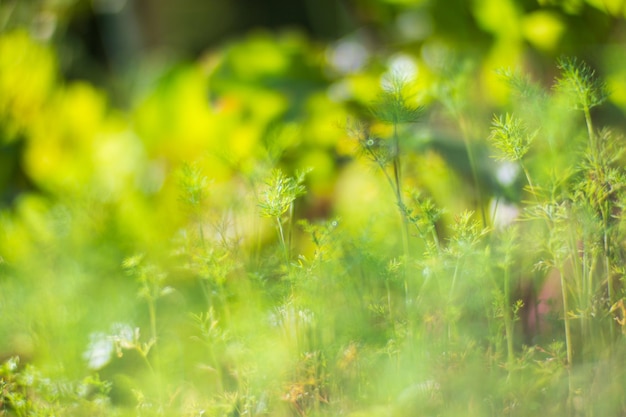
(151, 280)
(394, 108)
(511, 138)
(26, 391)
(277, 200)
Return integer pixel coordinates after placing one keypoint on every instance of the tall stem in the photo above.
(607, 262)
(281, 235)
(527, 175)
(566, 321)
(290, 229)
(472, 161)
(590, 133)
(594, 147)
(405, 224)
(568, 335)
(156, 371)
(508, 319)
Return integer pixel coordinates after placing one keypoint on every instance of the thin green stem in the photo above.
(217, 367)
(281, 235)
(381, 165)
(152, 312)
(433, 232)
(201, 232)
(396, 161)
(153, 340)
(396, 184)
(590, 132)
(607, 263)
(508, 319)
(589, 300)
(454, 277)
(472, 161)
(256, 226)
(583, 276)
(290, 229)
(607, 267)
(527, 175)
(568, 334)
(594, 147)
(144, 357)
(389, 305)
(401, 208)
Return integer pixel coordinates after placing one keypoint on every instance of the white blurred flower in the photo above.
(507, 173)
(347, 56)
(102, 345)
(403, 65)
(401, 70)
(99, 351)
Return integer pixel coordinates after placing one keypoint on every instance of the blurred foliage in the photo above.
(144, 269)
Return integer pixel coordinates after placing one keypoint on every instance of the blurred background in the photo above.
(299, 48)
(99, 38)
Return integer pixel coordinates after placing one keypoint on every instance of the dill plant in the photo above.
(322, 236)
(512, 140)
(423, 214)
(152, 287)
(211, 334)
(277, 201)
(193, 186)
(577, 210)
(27, 391)
(464, 255)
(392, 107)
(510, 136)
(210, 257)
(557, 217)
(583, 88)
(601, 181)
(506, 249)
(597, 195)
(602, 177)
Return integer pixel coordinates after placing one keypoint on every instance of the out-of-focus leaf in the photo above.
(27, 77)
